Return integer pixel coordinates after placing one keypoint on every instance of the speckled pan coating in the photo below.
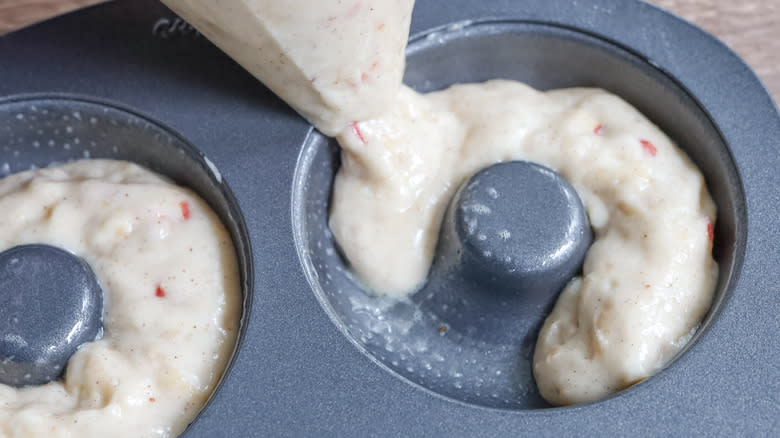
(296, 374)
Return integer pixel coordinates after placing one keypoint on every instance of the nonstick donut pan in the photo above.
(317, 356)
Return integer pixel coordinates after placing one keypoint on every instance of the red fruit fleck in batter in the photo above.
(160, 292)
(356, 130)
(599, 130)
(649, 147)
(185, 209)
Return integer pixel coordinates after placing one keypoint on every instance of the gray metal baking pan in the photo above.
(302, 367)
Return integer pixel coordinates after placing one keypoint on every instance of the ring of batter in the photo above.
(172, 298)
(649, 275)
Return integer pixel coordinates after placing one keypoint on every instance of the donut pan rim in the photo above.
(337, 292)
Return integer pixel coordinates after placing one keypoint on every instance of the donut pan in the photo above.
(310, 361)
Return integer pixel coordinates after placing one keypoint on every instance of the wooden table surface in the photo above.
(749, 27)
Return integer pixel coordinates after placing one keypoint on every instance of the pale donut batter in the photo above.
(172, 300)
(647, 279)
(649, 276)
